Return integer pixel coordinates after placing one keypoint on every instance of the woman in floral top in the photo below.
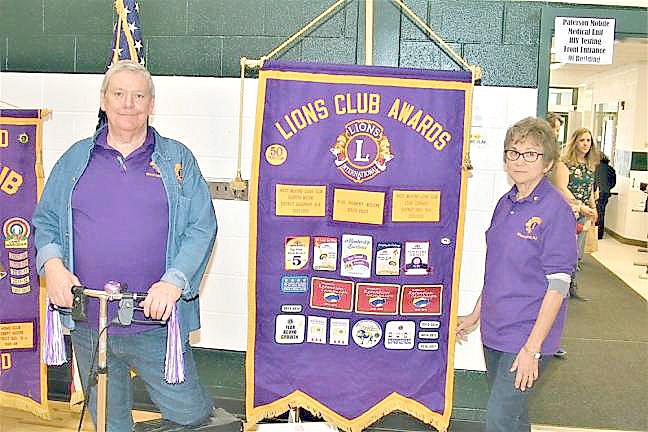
(574, 177)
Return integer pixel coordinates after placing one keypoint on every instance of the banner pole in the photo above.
(369, 32)
(240, 128)
(102, 372)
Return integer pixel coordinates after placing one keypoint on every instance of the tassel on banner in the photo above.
(174, 362)
(54, 346)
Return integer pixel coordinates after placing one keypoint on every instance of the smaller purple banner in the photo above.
(23, 380)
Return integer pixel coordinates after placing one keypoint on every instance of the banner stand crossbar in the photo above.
(238, 184)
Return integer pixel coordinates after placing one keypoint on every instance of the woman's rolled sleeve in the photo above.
(559, 248)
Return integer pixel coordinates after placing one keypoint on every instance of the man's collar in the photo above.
(101, 137)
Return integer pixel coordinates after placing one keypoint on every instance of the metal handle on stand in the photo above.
(79, 294)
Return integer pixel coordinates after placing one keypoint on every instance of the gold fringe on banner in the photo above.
(393, 402)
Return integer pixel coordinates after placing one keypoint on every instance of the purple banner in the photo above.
(356, 230)
(23, 376)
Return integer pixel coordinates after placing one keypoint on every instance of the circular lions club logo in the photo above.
(362, 151)
(16, 233)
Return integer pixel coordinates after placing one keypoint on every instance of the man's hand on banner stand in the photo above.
(159, 302)
(58, 281)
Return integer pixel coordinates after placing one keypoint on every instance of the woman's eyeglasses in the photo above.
(530, 156)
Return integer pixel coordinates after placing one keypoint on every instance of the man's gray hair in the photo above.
(127, 65)
(540, 132)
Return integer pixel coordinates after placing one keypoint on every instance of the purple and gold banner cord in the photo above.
(23, 375)
(356, 230)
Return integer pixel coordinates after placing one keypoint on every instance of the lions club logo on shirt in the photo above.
(362, 151)
(153, 170)
(529, 228)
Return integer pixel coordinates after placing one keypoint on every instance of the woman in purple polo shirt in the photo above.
(531, 253)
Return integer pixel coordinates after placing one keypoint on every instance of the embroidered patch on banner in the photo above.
(296, 252)
(290, 329)
(331, 294)
(316, 329)
(362, 151)
(294, 284)
(399, 335)
(366, 333)
(16, 232)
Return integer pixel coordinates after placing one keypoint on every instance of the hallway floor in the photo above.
(619, 258)
(601, 383)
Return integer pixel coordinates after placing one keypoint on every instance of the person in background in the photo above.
(529, 261)
(574, 177)
(605, 178)
(132, 206)
(555, 121)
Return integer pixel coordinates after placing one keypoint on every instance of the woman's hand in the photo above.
(466, 324)
(588, 212)
(575, 206)
(527, 369)
(596, 216)
(575, 209)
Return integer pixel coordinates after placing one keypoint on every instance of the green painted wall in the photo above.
(207, 37)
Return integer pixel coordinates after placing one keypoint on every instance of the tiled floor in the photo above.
(619, 259)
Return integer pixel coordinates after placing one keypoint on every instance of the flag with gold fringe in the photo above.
(357, 208)
(23, 374)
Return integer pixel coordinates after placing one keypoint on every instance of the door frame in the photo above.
(630, 22)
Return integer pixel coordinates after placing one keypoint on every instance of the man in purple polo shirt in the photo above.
(531, 253)
(132, 206)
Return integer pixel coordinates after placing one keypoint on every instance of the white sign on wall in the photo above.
(584, 40)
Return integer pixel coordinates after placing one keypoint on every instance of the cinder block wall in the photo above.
(207, 37)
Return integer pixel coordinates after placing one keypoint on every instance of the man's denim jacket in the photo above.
(192, 221)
